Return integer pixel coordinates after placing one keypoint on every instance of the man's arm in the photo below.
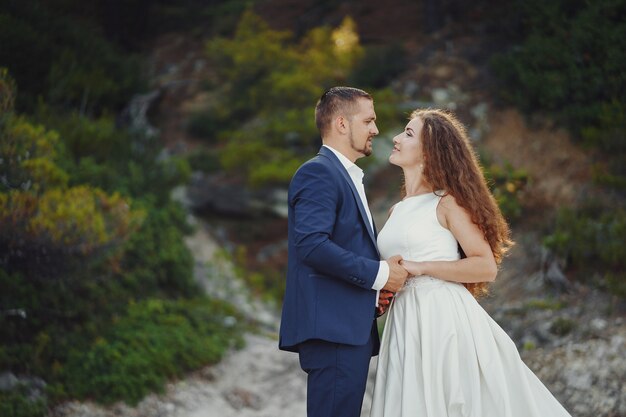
(314, 197)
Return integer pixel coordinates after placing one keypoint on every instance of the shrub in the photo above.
(155, 341)
(15, 403)
(569, 66)
(156, 260)
(591, 240)
(507, 184)
(87, 227)
(379, 66)
(562, 326)
(204, 160)
(76, 68)
(269, 84)
(570, 62)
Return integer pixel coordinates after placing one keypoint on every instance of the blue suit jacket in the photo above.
(333, 259)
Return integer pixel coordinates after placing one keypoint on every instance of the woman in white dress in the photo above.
(441, 354)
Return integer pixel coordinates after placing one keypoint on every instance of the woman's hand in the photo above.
(384, 300)
(414, 269)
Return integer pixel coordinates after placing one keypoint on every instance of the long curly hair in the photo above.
(451, 164)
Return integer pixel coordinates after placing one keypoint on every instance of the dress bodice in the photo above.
(414, 232)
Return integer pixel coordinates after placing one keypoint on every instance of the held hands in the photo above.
(397, 274)
(397, 277)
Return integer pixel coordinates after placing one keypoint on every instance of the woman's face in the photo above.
(407, 146)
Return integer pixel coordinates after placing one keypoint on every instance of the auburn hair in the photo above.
(450, 164)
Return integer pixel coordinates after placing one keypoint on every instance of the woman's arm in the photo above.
(479, 266)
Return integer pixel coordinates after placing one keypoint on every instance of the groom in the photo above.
(334, 270)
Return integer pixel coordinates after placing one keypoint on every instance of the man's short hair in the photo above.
(334, 101)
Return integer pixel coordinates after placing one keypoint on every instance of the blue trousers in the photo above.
(337, 375)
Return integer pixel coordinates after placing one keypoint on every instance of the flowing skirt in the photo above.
(443, 355)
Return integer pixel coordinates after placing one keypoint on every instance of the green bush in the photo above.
(592, 242)
(204, 160)
(507, 184)
(155, 341)
(268, 85)
(76, 68)
(16, 403)
(94, 151)
(562, 326)
(570, 60)
(88, 227)
(569, 66)
(156, 260)
(379, 66)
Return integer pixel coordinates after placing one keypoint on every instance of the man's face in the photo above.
(363, 127)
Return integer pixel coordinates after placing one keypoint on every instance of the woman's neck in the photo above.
(414, 182)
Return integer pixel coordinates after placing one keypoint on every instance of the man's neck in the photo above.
(342, 149)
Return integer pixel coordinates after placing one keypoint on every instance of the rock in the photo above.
(598, 324)
(555, 276)
(443, 71)
(222, 195)
(481, 123)
(135, 115)
(440, 96)
(449, 97)
(551, 269)
(239, 398)
(411, 88)
(8, 381)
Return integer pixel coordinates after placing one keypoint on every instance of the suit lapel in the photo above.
(339, 166)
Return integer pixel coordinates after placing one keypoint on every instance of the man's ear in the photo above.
(341, 124)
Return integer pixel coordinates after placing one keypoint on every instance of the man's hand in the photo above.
(397, 274)
(384, 299)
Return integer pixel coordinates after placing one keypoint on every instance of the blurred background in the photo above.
(145, 152)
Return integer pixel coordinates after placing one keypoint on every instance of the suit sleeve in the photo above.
(314, 197)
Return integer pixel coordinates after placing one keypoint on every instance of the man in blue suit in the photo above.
(334, 269)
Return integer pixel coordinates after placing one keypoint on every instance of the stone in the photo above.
(8, 381)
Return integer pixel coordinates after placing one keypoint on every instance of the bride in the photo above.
(441, 354)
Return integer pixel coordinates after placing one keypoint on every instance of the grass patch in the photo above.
(156, 341)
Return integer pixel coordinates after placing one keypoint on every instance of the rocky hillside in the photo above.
(571, 335)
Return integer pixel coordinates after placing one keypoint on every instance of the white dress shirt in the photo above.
(356, 174)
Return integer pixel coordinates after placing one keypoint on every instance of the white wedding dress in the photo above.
(441, 354)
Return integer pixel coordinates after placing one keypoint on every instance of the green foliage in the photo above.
(545, 304)
(77, 67)
(204, 160)
(7, 91)
(592, 241)
(266, 283)
(156, 260)
(528, 345)
(15, 403)
(610, 137)
(73, 221)
(379, 65)
(570, 66)
(40, 216)
(562, 326)
(269, 85)
(507, 184)
(155, 341)
(87, 229)
(570, 62)
(28, 154)
(115, 160)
